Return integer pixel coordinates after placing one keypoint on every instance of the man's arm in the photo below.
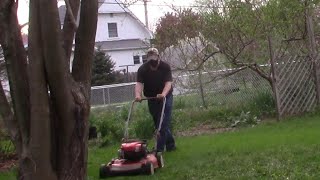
(166, 89)
(138, 90)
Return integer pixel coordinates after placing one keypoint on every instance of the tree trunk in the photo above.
(49, 124)
(202, 94)
(16, 64)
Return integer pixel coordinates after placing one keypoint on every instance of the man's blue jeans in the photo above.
(165, 140)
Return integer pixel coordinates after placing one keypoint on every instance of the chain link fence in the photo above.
(295, 87)
(232, 87)
(112, 94)
(215, 88)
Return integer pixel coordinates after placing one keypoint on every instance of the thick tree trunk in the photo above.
(40, 130)
(50, 119)
(16, 63)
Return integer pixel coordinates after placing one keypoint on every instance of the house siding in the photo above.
(125, 57)
(128, 27)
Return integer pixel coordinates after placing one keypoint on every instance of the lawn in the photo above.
(289, 149)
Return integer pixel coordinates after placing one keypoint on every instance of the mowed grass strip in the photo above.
(288, 149)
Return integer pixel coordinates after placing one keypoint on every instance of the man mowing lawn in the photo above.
(155, 79)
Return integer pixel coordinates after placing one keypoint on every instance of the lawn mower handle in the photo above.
(126, 132)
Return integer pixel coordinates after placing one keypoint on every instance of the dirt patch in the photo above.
(204, 129)
(7, 161)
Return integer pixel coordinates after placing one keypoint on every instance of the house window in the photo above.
(136, 59)
(112, 29)
(144, 58)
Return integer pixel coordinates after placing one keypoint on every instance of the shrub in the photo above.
(262, 105)
(6, 145)
(110, 126)
(244, 119)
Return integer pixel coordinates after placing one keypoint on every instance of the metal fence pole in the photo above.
(109, 102)
(104, 96)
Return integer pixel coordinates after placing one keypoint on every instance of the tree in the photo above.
(241, 29)
(102, 69)
(48, 121)
(178, 36)
(172, 27)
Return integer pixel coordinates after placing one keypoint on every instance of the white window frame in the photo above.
(113, 31)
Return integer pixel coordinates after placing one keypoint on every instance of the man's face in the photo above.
(153, 61)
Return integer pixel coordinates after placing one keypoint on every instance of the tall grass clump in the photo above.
(233, 112)
(262, 104)
(141, 121)
(111, 123)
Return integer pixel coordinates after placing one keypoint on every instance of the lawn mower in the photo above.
(133, 155)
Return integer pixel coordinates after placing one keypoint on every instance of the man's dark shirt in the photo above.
(154, 81)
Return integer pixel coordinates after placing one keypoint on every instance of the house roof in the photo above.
(125, 44)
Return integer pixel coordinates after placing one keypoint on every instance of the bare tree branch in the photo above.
(70, 14)
(85, 42)
(257, 69)
(70, 27)
(202, 62)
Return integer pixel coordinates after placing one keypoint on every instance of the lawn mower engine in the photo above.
(133, 150)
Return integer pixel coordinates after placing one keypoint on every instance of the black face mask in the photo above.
(153, 63)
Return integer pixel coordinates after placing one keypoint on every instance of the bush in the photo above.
(6, 145)
(110, 126)
(244, 119)
(262, 105)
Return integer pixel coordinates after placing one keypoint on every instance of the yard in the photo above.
(271, 150)
(288, 149)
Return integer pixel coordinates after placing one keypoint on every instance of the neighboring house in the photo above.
(120, 34)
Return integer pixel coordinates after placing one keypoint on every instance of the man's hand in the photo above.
(138, 99)
(160, 96)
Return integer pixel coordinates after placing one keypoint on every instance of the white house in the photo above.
(120, 34)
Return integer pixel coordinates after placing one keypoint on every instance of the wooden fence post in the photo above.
(312, 52)
(274, 78)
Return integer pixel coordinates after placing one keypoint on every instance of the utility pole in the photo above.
(146, 13)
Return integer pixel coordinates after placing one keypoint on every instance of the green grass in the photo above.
(286, 150)
(289, 149)
(10, 175)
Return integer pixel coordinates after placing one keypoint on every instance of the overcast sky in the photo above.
(156, 9)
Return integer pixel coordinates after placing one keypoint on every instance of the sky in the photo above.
(156, 9)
